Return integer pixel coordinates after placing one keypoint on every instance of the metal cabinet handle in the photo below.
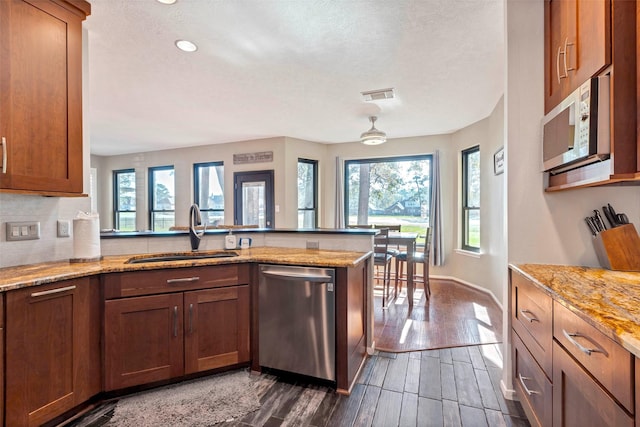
(566, 47)
(558, 64)
(526, 389)
(582, 348)
(182, 280)
(175, 321)
(190, 318)
(530, 319)
(52, 291)
(4, 155)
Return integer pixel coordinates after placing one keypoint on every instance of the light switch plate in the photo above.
(24, 230)
(64, 226)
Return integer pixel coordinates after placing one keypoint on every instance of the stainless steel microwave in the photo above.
(576, 132)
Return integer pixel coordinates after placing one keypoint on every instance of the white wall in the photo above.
(483, 270)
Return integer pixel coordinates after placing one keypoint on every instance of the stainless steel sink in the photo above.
(179, 257)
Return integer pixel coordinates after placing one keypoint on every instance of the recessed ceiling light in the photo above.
(186, 45)
(167, 1)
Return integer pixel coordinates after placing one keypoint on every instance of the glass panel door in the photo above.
(253, 201)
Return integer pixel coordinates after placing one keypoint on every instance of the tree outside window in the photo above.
(162, 198)
(389, 191)
(307, 193)
(208, 181)
(124, 200)
(471, 199)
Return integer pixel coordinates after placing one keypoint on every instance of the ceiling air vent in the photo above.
(376, 95)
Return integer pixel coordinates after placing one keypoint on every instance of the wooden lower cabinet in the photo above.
(216, 328)
(578, 400)
(159, 337)
(143, 340)
(52, 351)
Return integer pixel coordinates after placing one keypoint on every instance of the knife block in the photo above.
(618, 248)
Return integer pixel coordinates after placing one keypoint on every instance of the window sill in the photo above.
(468, 253)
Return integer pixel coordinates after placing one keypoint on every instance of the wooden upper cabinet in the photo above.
(577, 45)
(41, 102)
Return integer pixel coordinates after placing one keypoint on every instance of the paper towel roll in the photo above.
(86, 237)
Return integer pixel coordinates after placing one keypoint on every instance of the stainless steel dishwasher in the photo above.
(297, 330)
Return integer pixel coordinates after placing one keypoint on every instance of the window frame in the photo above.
(405, 158)
(116, 196)
(152, 195)
(314, 209)
(466, 209)
(196, 186)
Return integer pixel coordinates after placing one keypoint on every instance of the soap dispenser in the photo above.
(230, 241)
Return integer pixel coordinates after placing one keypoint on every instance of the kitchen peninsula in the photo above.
(85, 302)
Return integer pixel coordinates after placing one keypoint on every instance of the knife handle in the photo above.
(612, 220)
(599, 220)
(592, 227)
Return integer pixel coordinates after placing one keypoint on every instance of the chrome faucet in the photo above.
(195, 219)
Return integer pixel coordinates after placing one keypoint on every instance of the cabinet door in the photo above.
(48, 353)
(41, 103)
(143, 340)
(577, 45)
(580, 401)
(216, 328)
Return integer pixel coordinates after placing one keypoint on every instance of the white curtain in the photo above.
(339, 206)
(437, 250)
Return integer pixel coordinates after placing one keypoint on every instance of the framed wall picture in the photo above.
(498, 161)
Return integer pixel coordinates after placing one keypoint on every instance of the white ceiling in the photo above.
(292, 68)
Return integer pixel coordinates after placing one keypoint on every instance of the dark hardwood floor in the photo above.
(455, 315)
(446, 387)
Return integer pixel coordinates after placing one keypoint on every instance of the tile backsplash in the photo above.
(46, 210)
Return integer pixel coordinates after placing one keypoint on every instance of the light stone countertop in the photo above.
(608, 300)
(49, 272)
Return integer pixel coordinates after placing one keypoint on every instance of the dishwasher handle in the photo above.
(288, 275)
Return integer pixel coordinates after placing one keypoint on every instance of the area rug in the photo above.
(195, 403)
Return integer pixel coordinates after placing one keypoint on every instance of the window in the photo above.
(307, 193)
(471, 199)
(394, 190)
(208, 179)
(162, 213)
(124, 200)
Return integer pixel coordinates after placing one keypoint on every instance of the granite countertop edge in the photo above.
(18, 277)
(607, 300)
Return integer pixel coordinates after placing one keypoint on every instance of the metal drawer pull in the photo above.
(526, 389)
(582, 348)
(182, 280)
(190, 318)
(175, 321)
(4, 155)
(530, 319)
(52, 291)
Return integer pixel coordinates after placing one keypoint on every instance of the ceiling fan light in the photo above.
(373, 136)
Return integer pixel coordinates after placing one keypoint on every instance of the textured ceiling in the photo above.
(293, 68)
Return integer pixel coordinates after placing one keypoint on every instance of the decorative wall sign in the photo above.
(246, 158)
(498, 161)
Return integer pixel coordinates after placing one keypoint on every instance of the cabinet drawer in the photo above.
(580, 401)
(533, 387)
(607, 361)
(531, 318)
(148, 282)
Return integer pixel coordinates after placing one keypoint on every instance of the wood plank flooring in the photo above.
(455, 315)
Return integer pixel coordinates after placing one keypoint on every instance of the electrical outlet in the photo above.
(64, 226)
(25, 230)
(313, 244)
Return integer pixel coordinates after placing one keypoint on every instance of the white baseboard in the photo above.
(471, 285)
(508, 393)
